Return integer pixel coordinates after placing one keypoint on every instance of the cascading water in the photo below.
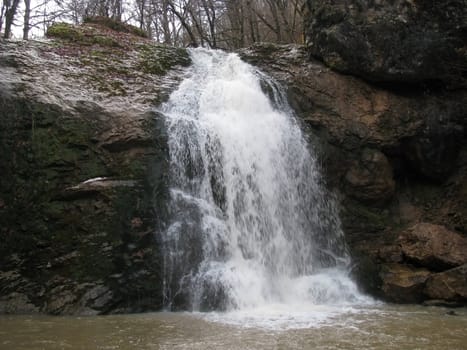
(251, 224)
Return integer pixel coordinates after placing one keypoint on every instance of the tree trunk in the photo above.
(210, 11)
(165, 23)
(10, 17)
(142, 4)
(275, 17)
(253, 22)
(27, 15)
(184, 23)
(2, 12)
(118, 10)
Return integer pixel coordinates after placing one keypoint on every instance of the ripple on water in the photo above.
(378, 327)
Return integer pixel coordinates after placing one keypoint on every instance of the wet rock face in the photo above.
(431, 267)
(397, 161)
(434, 151)
(404, 284)
(398, 41)
(449, 285)
(433, 246)
(370, 179)
(84, 164)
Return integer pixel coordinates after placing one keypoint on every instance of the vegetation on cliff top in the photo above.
(82, 36)
(211, 23)
(114, 53)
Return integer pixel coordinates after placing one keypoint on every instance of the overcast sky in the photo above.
(18, 24)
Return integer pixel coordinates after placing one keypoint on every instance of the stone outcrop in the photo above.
(392, 42)
(414, 55)
(449, 285)
(382, 153)
(433, 246)
(83, 160)
(404, 284)
(391, 135)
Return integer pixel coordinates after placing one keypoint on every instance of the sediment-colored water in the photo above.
(381, 327)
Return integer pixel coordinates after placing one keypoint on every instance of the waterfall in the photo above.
(251, 223)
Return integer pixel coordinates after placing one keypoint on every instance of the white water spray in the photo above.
(251, 224)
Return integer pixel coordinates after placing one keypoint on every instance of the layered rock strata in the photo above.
(83, 164)
(397, 161)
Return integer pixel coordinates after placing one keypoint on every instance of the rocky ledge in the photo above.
(401, 41)
(397, 161)
(83, 158)
(403, 178)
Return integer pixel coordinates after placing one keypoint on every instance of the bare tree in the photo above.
(228, 24)
(11, 6)
(2, 14)
(181, 11)
(209, 7)
(27, 16)
(234, 31)
(75, 9)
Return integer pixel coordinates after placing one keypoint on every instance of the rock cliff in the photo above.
(401, 41)
(398, 163)
(83, 164)
(381, 89)
(83, 155)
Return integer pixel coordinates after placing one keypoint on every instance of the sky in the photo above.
(17, 29)
(37, 7)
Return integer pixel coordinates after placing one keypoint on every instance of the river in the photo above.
(379, 327)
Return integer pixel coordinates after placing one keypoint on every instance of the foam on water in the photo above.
(279, 317)
(252, 229)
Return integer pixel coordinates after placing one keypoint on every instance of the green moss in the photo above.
(158, 59)
(98, 55)
(49, 150)
(79, 35)
(65, 144)
(65, 31)
(104, 41)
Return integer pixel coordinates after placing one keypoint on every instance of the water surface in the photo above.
(379, 327)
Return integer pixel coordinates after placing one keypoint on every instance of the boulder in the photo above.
(403, 283)
(450, 285)
(433, 246)
(392, 42)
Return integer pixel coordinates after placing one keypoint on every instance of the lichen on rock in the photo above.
(83, 157)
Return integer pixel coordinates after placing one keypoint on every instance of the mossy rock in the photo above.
(159, 59)
(104, 41)
(65, 31)
(79, 35)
